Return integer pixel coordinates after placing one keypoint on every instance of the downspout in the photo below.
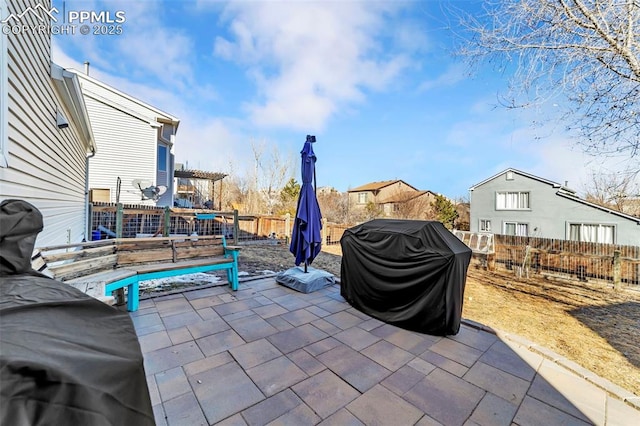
(87, 207)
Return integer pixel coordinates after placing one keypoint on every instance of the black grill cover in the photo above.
(408, 273)
(65, 357)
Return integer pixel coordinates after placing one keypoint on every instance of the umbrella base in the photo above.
(312, 280)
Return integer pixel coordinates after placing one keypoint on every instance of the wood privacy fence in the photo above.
(569, 259)
(280, 228)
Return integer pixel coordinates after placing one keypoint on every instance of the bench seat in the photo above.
(126, 263)
(169, 266)
(97, 285)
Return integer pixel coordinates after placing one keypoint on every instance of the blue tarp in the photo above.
(306, 238)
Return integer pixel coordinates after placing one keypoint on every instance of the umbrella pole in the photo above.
(305, 266)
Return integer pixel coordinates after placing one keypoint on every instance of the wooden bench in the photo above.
(99, 268)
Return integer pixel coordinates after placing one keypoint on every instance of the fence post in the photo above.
(89, 230)
(119, 216)
(617, 270)
(236, 227)
(324, 231)
(287, 225)
(167, 222)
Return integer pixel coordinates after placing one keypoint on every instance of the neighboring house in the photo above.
(197, 188)
(395, 198)
(375, 192)
(45, 133)
(136, 143)
(518, 203)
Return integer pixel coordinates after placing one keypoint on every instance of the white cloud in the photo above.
(452, 75)
(147, 48)
(152, 94)
(309, 59)
(211, 144)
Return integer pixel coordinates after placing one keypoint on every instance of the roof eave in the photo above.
(68, 87)
(529, 175)
(160, 115)
(599, 207)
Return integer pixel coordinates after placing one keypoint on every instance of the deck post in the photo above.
(167, 222)
(119, 220)
(617, 270)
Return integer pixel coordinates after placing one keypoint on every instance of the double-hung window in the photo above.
(516, 228)
(512, 201)
(485, 225)
(362, 198)
(592, 233)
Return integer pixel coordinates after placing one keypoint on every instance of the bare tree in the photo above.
(617, 191)
(414, 205)
(334, 205)
(587, 52)
(269, 174)
(464, 213)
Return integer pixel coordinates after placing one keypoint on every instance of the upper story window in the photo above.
(362, 198)
(592, 233)
(512, 201)
(162, 158)
(167, 131)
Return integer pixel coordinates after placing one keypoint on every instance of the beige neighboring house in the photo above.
(45, 132)
(136, 142)
(394, 198)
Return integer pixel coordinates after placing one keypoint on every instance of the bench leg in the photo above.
(234, 271)
(230, 276)
(234, 285)
(133, 296)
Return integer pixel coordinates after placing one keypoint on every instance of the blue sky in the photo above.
(375, 81)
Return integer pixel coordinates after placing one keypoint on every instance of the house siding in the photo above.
(45, 165)
(378, 196)
(549, 214)
(126, 149)
(126, 132)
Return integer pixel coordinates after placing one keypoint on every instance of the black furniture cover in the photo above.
(408, 273)
(65, 357)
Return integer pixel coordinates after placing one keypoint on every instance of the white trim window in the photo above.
(4, 83)
(512, 200)
(516, 228)
(163, 158)
(592, 233)
(485, 225)
(362, 198)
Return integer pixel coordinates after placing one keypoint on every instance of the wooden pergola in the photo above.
(211, 177)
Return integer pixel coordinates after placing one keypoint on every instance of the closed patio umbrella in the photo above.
(306, 239)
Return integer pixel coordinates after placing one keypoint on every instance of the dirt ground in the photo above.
(591, 324)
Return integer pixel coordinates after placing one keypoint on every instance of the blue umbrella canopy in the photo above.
(306, 239)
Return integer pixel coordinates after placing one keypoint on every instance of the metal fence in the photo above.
(128, 221)
(110, 220)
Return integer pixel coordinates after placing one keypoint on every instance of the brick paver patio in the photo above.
(267, 354)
